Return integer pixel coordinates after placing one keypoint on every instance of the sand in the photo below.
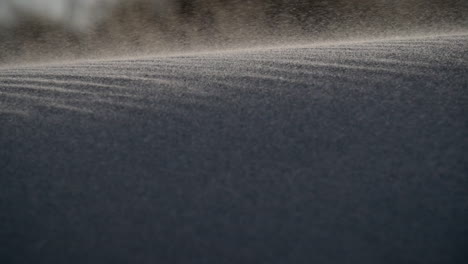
(337, 153)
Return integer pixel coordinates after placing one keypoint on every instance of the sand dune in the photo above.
(337, 153)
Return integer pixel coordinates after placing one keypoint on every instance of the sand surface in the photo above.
(339, 153)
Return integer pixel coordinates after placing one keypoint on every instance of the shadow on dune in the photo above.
(341, 153)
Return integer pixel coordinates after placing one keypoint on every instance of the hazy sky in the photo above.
(77, 14)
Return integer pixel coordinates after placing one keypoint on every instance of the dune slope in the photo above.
(339, 153)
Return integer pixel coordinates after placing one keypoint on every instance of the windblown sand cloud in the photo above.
(38, 30)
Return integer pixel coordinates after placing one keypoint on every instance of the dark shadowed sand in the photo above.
(338, 153)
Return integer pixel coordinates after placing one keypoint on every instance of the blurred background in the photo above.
(38, 30)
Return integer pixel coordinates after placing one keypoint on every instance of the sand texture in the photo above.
(337, 153)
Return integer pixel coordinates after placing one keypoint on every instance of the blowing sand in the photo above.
(340, 153)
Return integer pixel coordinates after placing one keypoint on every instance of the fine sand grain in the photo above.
(339, 153)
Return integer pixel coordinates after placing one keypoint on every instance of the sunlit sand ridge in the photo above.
(348, 152)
